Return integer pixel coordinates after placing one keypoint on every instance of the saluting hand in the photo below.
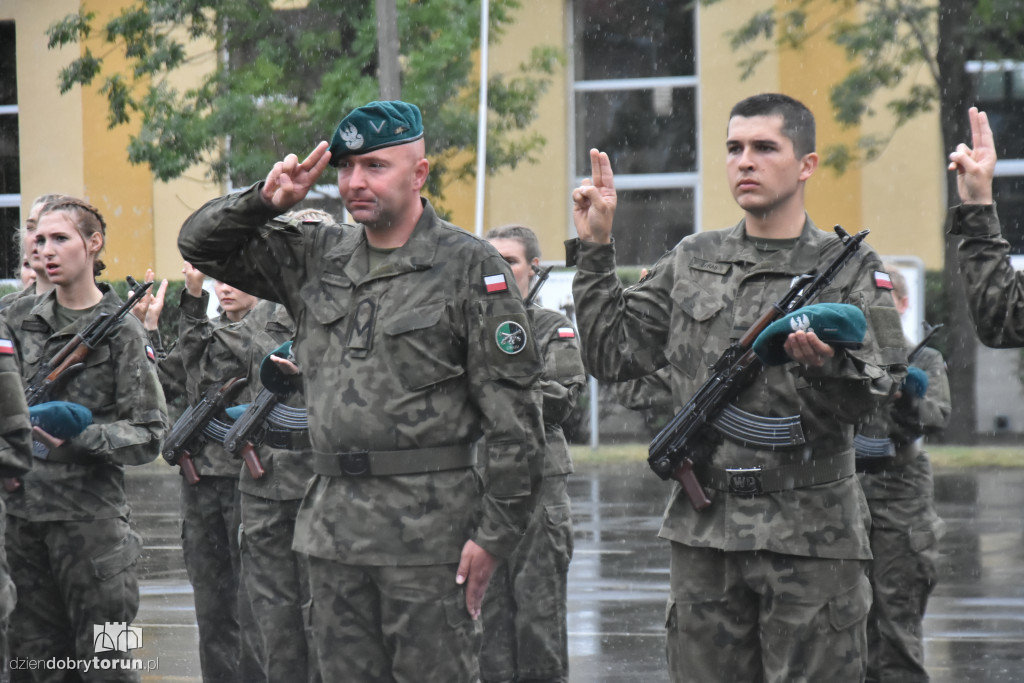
(594, 201)
(193, 279)
(975, 167)
(149, 307)
(289, 181)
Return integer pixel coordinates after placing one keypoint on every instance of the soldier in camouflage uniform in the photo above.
(905, 528)
(524, 613)
(72, 550)
(413, 344)
(212, 352)
(15, 460)
(768, 583)
(275, 575)
(40, 283)
(994, 288)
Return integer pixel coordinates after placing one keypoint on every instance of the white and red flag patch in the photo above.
(6, 347)
(882, 280)
(495, 283)
(566, 333)
(150, 353)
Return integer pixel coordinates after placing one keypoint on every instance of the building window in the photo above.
(635, 97)
(10, 167)
(999, 92)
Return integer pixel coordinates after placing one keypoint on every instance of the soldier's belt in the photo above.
(876, 455)
(287, 439)
(755, 481)
(391, 463)
(758, 431)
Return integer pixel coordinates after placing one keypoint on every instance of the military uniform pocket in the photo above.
(692, 317)
(851, 607)
(122, 555)
(420, 346)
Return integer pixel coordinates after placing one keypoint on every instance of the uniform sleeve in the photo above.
(563, 377)
(136, 435)
(503, 366)
(914, 417)
(231, 239)
(995, 291)
(15, 430)
(622, 332)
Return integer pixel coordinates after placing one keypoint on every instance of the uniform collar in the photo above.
(46, 308)
(802, 258)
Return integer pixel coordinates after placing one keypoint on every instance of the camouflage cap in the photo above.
(835, 324)
(374, 126)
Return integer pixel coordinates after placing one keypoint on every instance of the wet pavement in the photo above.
(618, 580)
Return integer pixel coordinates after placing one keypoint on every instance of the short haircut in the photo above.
(519, 233)
(797, 119)
(899, 283)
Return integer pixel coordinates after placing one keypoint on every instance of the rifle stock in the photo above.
(689, 440)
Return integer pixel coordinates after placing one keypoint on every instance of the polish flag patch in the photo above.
(6, 347)
(566, 333)
(495, 283)
(882, 280)
(150, 353)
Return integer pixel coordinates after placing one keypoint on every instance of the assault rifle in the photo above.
(70, 360)
(690, 437)
(542, 276)
(249, 430)
(193, 428)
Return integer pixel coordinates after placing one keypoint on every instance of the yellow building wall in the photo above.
(537, 194)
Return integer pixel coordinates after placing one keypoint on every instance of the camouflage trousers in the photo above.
(763, 616)
(228, 637)
(524, 610)
(70, 577)
(902, 577)
(392, 624)
(8, 596)
(277, 583)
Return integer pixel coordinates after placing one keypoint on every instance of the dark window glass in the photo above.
(10, 258)
(633, 39)
(650, 222)
(643, 131)
(8, 64)
(10, 178)
(1000, 94)
(1008, 192)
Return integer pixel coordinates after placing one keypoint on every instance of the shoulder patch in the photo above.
(882, 280)
(510, 337)
(150, 353)
(6, 347)
(566, 333)
(495, 283)
(710, 266)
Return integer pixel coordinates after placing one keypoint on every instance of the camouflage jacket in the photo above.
(561, 382)
(698, 298)
(15, 431)
(286, 471)
(995, 291)
(909, 476)
(84, 478)
(407, 357)
(207, 352)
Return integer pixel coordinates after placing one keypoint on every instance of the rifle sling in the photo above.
(754, 481)
(392, 463)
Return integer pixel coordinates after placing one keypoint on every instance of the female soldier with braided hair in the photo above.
(71, 548)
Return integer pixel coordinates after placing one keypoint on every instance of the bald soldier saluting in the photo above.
(412, 344)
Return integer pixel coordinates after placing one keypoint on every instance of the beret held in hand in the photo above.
(916, 383)
(835, 324)
(273, 377)
(374, 126)
(60, 419)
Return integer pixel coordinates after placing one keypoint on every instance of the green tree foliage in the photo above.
(284, 78)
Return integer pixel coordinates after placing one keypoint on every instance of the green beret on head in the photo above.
(835, 324)
(374, 126)
(60, 419)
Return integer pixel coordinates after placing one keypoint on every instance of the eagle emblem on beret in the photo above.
(351, 136)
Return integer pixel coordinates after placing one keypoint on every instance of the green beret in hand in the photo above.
(841, 325)
(60, 419)
(273, 377)
(916, 383)
(374, 126)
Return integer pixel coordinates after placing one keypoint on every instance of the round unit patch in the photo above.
(511, 337)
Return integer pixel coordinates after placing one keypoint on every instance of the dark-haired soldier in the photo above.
(768, 583)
